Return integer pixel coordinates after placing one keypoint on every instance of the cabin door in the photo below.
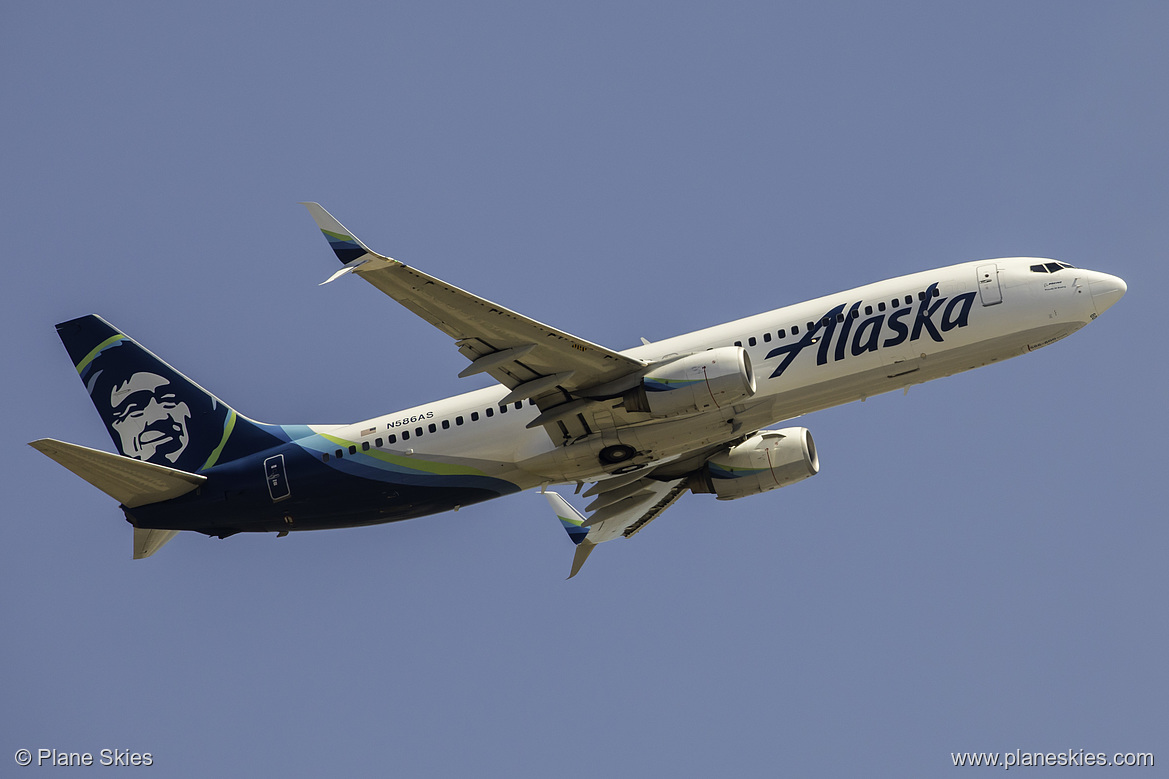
(276, 478)
(988, 285)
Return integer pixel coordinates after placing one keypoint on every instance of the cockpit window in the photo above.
(1051, 267)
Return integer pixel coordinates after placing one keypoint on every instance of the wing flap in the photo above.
(627, 516)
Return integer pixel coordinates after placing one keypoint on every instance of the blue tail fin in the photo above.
(153, 412)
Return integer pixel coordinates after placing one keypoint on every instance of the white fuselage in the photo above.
(805, 357)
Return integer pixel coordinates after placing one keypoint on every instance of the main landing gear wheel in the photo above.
(618, 453)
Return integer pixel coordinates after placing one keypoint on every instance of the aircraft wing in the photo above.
(624, 505)
(532, 359)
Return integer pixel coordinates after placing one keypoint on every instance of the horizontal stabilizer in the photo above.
(130, 482)
(147, 541)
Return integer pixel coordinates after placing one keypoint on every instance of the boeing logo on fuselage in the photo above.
(833, 331)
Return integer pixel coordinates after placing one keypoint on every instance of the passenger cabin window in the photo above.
(868, 310)
(767, 338)
(393, 439)
(881, 306)
(339, 454)
(432, 427)
(751, 341)
(738, 343)
(490, 411)
(795, 330)
(446, 424)
(474, 416)
(353, 450)
(519, 404)
(405, 435)
(365, 446)
(417, 431)
(378, 443)
(783, 334)
(458, 420)
(325, 457)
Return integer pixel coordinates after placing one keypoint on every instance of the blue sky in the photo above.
(978, 567)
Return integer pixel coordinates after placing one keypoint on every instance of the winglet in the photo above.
(582, 553)
(568, 516)
(345, 244)
(349, 249)
(572, 520)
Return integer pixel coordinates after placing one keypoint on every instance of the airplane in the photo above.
(643, 426)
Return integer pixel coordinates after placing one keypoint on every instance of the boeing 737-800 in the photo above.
(641, 426)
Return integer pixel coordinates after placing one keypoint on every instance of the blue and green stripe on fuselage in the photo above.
(365, 488)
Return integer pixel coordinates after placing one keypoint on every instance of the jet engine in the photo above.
(768, 460)
(715, 378)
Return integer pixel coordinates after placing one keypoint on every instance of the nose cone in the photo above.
(1106, 290)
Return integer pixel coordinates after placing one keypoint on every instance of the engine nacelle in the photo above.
(716, 378)
(768, 460)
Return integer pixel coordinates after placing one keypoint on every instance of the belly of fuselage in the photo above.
(244, 497)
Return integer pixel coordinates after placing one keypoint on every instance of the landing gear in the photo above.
(618, 453)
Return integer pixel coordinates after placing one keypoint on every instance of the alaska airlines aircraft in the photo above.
(641, 426)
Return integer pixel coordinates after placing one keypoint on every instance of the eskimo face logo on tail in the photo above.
(152, 413)
(836, 338)
(149, 418)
